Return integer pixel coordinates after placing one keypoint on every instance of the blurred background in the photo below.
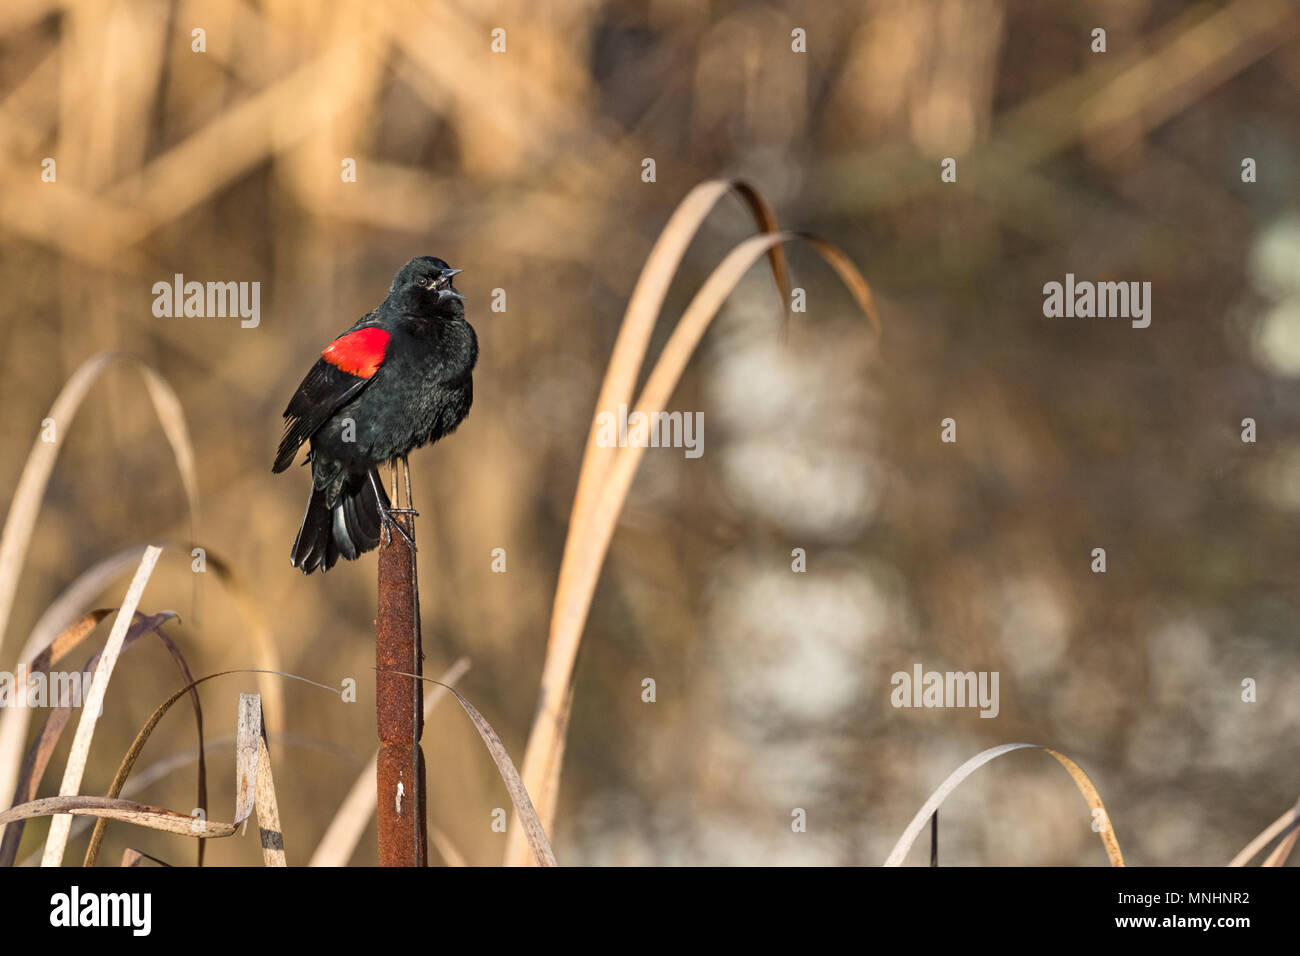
(524, 168)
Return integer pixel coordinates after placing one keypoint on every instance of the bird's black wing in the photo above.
(327, 388)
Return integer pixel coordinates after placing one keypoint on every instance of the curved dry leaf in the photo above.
(158, 818)
(20, 522)
(1285, 826)
(648, 298)
(245, 766)
(71, 636)
(120, 778)
(1107, 832)
(93, 706)
(165, 766)
(14, 721)
(58, 616)
(32, 769)
(128, 811)
(1284, 847)
(546, 739)
(524, 810)
(850, 275)
(588, 540)
(534, 832)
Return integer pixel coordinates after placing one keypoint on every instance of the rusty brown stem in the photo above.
(399, 703)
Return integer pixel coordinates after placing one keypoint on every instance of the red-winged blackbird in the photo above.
(398, 379)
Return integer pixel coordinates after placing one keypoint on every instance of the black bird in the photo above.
(398, 379)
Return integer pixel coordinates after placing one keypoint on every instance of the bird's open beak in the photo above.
(448, 291)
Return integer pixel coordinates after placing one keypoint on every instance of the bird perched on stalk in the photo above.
(398, 379)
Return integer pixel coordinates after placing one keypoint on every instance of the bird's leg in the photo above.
(386, 519)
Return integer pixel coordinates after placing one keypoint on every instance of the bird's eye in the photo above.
(422, 282)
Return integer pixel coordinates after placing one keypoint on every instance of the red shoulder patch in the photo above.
(358, 353)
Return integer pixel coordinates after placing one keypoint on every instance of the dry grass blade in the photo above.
(128, 811)
(1283, 849)
(59, 616)
(1107, 832)
(14, 721)
(245, 745)
(524, 811)
(354, 814)
(620, 379)
(143, 778)
(32, 770)
(1286, 826)
(248, 739)
(94, 705)
(639, 320)
(534, 832)
(120, 778)
(849, 274)
(21, 519)
(600, 501)
(648, 298)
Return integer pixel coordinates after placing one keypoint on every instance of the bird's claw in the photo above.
(389, 522)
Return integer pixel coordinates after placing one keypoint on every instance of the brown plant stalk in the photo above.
(399, 704)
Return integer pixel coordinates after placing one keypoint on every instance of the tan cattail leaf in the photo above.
(600, 500)
(245, 743)
(1081, 780)
(32, 769)
(57, 839)
(14, 721)
(1286, 826)
(119, 779)
(128, 811)
(534, 832)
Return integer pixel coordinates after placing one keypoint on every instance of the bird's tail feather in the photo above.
(349, 527)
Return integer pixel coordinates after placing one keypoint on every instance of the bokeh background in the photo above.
(524, 169)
